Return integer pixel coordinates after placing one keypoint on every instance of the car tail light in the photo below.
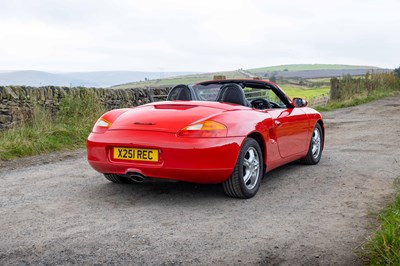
(101, 126)
(205, 129)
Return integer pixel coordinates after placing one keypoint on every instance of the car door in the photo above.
(291, 129)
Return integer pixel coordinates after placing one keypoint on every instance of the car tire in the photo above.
(117, 179)
(248, 172)
(315, 149)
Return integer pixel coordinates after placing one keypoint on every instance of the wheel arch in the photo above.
(260, 140)
(321, 123)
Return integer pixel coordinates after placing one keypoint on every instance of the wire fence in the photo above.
(320, 100)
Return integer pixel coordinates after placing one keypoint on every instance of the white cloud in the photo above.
(195, 35)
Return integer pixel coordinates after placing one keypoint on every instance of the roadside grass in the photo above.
(45, 132)
(383, 248)
(358, 99)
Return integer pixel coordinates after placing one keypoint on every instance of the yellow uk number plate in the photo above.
(147, 155)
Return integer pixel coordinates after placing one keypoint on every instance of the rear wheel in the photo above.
(117, 178)
(315, 149)
(247, 174)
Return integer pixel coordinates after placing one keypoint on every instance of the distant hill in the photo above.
(129, 79)
(322, 73)
(305, 71)
(86, 79)
(184, 79)
(303, 67)
(40, 78)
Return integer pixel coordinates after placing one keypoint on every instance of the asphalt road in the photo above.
(54, 209)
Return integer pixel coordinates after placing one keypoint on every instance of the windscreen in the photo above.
(207, 92)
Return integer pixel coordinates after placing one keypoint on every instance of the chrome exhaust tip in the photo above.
(138, 178)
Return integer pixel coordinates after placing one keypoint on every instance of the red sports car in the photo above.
(221, 131)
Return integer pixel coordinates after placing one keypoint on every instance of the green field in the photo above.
(307, 94)
(301, 67)
(311, 88)
(188, 79)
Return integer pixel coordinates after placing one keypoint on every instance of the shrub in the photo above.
(350, 88)
(397, 72)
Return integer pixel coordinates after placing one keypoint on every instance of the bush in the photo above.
(397, 72)
(375, 83)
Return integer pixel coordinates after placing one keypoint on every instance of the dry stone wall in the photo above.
(17, 102)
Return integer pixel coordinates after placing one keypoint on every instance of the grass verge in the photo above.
(383, 248)
(354, 91)
(45, 132)
(353, 101)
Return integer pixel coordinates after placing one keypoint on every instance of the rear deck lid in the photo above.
(163, 117)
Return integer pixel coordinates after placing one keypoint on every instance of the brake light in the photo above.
(101, 126)
(205, 129)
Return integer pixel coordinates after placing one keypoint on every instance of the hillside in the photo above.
(322, 73)
(129, 79)
(304, 67)
(304, 71)
(40, 78)
(186, 79)
(84, 79)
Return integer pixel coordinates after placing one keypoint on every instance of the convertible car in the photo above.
(228, 131)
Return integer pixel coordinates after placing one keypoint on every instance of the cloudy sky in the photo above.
(205, 35)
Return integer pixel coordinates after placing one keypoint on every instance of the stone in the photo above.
(5, 119)
(17, 102)
(10, 93)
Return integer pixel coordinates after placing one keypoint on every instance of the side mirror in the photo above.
(299, 102)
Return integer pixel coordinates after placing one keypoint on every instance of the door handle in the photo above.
(277, 123)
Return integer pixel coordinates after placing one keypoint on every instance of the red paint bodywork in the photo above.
(284, 135)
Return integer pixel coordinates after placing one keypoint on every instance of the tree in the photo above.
(347, 77)
(397, 72)
(272, 79)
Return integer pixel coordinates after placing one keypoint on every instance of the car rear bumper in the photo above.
(199, 160)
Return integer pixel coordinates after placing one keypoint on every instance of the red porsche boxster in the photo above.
(229, 131)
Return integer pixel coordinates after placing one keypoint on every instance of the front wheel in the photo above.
(247, 174)
(315, 149)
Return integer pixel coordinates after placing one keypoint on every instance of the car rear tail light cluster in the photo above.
(101, 126)
(205, 129)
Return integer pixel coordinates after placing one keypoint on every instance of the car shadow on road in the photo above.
(280, 176)
(286, 169)
(176, 191)
(152, 192)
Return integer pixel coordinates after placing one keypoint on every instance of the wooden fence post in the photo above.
(334, 92)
